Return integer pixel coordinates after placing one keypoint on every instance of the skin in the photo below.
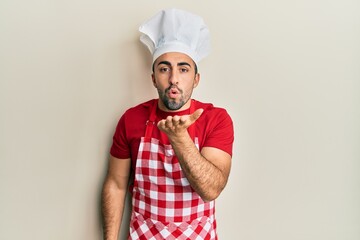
(207, 171)
(113, 196)
(174, 72)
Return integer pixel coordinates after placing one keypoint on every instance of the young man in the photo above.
(175, 150)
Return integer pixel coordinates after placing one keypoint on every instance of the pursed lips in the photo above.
(173, 91)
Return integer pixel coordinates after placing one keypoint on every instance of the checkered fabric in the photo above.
(198, 229)
(164, 204)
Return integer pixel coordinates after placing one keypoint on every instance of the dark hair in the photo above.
(196, 68)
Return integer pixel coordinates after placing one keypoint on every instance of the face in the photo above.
(174, 78)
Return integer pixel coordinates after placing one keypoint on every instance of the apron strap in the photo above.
(151, 122)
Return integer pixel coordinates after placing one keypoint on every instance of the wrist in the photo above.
(180, 139)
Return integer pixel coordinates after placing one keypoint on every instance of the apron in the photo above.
(164, 204)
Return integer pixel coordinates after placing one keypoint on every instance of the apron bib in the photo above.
(164, 204)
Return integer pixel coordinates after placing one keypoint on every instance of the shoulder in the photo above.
(140, 108)
(137, 114)
(215, 128)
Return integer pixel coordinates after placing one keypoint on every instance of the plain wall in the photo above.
(288, 72)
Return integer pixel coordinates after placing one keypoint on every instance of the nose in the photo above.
(173, 78)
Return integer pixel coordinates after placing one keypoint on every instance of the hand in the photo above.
(174, 125)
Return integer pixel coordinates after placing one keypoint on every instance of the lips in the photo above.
(173, 92)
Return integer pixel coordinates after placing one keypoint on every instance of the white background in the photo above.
(288, 72)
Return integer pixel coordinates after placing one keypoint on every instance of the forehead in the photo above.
(174, 58)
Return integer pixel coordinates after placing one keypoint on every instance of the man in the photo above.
(175, 150)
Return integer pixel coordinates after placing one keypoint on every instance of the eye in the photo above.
(164, 69)
(184, 70)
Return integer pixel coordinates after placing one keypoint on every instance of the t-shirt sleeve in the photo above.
(221, 132)
(120, 146)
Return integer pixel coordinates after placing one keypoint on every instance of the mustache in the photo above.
(172, 87)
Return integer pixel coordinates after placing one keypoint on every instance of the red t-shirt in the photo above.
(214, 128)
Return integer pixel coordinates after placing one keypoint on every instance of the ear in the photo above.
(153, 80)
(196, 80)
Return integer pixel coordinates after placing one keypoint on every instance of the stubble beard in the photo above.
(172, 104)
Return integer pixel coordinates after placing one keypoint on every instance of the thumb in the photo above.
(196, 115)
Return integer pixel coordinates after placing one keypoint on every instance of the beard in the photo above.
(173, 104)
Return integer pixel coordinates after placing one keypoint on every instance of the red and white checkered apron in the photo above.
(164, 204)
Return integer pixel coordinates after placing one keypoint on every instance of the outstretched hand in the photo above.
(174, 125)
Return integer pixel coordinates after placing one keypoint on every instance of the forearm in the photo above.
(204, 177)
(208, 170)
(112, 209)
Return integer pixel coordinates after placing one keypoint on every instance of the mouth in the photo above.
(173, 92)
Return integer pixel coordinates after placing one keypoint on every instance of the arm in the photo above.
(113, 196)
(208, 170)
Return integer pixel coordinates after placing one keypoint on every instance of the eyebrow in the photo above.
(169, 64)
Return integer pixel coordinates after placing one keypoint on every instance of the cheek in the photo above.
(160, 79)
(189, 89)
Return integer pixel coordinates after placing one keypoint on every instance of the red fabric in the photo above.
(214, 129)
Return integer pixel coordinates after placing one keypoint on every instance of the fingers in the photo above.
(161, 124)
(174, 122)
(168, 122)
(187, 119)
(195, 116)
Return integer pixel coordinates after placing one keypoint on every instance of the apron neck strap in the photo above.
(151, 122)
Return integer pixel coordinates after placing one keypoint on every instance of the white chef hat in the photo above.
(174, 30)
